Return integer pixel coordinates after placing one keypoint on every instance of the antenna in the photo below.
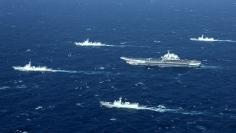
(30, 62)
(120, 99)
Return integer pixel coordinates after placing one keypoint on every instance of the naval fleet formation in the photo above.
(167, 60)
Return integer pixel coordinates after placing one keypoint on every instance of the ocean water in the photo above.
(44, 31)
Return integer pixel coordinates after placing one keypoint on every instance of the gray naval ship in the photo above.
(167, 60)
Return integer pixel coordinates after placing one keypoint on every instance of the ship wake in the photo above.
(135, 106)
(209, 67)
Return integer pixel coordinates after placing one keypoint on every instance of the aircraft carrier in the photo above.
(167, 60)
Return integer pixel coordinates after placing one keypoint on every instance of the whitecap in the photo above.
(21, 86)
(123, 43)
(28, 50)
(113, 119)
(155, 41)
(20, 131)
(101, 68)
(79, 104)
(4, 87)
(38, 108)
(139, 84)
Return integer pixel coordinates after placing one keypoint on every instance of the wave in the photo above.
(123, 42)
(155, 41)
(209, 39)
(21, 86)
(20, 131)
(136, 106)
(38, 108)
(4, 87)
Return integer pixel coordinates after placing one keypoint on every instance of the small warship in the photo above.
(29, 67)
(120, 104)
(204, 39)
(88, 43)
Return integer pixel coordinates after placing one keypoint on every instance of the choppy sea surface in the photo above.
(202, 100)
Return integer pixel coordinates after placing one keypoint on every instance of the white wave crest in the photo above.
(160, 108)
(88, 43)
(4, 87)
(38, 108)
(29, 68)
(209, 39)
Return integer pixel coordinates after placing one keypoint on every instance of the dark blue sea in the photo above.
(44, 32)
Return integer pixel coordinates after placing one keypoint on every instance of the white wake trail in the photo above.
(225, 41)
(209, 67)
